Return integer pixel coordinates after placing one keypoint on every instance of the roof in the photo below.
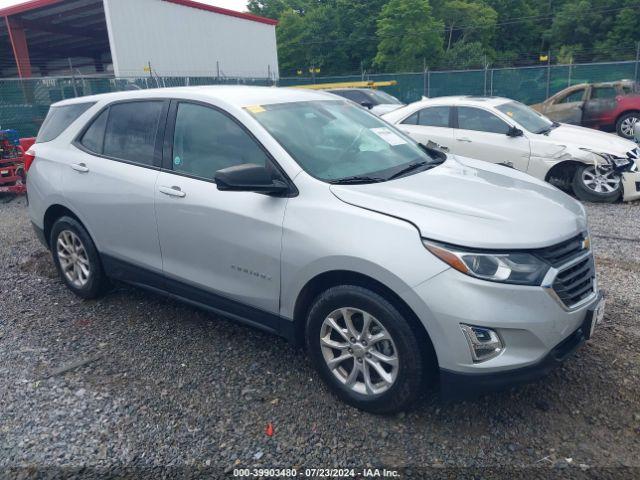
(236, 95)
(30, 5)
(465, 100)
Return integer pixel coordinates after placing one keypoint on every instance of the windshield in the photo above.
(383, 97)
(527, 117)
(334, 140)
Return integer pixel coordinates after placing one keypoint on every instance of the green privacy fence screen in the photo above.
(24, 103)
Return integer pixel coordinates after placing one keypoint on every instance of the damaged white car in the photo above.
(595, 166)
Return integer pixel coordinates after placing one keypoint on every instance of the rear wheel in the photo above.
(625, 124)
(593, 183)
(76, 258)
(365, 350)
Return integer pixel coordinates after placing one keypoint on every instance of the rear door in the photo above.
(217, 246)
(567, 107)
(430, 124)
(482, 135)
(111, 179)
(600, 108)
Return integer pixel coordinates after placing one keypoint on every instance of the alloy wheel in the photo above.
(73, 258)
(600, 180)
(626, 127)
(359, 351)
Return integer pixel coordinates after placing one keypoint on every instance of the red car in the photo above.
(605, 106)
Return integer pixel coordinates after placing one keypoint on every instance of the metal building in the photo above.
(134, 38)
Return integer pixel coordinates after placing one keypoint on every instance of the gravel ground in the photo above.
(158, 383)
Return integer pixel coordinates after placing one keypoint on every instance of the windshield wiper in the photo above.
(409, 168)
(545, 131)
(356, 179)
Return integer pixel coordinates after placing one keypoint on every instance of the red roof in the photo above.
(34, 4)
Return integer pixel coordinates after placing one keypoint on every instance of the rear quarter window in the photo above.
(58, 119)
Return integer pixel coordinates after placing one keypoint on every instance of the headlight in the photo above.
(520, 268)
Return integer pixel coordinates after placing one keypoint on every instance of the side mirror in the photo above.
(249, 177)
(367, 104)
(514, 132)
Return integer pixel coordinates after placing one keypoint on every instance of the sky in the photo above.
(239, 5)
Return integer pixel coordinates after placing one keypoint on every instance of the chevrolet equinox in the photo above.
(397, 266)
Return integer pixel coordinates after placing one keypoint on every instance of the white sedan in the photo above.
(596, 166)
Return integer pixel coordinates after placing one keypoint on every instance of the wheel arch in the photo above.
(564, 171)
(53, 213)
(328, 279)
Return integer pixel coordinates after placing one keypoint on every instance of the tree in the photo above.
(408, 35)
(472, 21)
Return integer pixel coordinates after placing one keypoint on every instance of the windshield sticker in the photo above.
(388, 136)
(255, 109)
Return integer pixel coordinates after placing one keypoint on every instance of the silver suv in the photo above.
(397, 266)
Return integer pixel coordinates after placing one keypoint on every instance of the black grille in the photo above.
(575, 283)
(559, 254)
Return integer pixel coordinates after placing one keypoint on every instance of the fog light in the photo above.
(484, 343)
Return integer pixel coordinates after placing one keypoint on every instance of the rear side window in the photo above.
(434, 117)
(131, 130)
(93, 138)
(603, 92)
(58, 119)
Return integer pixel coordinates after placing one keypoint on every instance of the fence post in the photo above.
(73, 78)
(425, 82)
(570, 65)
(486, 66)
(637, 60)
(428, 83)
(548, 74)
(491, 84)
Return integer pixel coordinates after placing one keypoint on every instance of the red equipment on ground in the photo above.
(12, 171)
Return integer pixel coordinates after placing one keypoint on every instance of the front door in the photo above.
(216, 246)
(600, 108)
(567, 107)
(481, 134)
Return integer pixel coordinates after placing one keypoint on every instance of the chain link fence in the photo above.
(24, 103)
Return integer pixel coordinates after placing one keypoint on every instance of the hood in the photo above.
(581, 137)
(475, 204)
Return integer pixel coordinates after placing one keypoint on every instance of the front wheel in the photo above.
(593, 183)
(365, 350)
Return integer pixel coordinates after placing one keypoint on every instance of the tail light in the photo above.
(29, 157)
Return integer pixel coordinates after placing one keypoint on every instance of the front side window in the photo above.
(206, 140)
(527, 117)
(470, 118)
(58, 119)
(576, 96)
(131, 131)
(336, 140)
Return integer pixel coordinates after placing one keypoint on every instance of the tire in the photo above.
(588, 193)
(382, 396)
(68, 237)
(624, 124)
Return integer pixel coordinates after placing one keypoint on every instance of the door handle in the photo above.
(80, 167)
(464, 139)
(173, 191)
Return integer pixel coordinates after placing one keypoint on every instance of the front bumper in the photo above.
(631, 186)
(457, 385)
